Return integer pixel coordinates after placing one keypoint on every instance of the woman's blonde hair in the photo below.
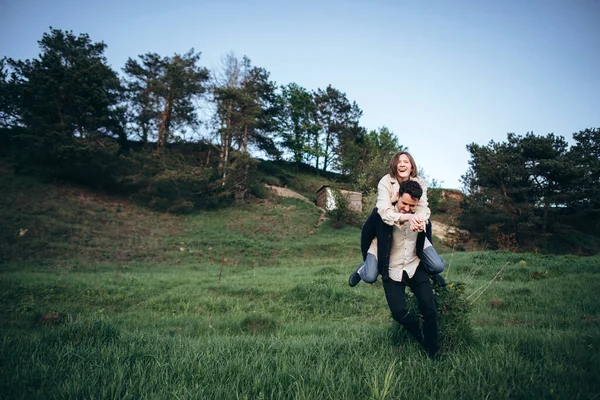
(394, 165)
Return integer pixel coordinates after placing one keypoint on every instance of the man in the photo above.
(400, 267)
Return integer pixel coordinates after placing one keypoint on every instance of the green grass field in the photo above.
(103, 299)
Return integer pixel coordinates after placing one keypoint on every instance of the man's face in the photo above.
(406, 204)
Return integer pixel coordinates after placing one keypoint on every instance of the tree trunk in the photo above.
(226, 144)
(165, 123)
(326, 156)
(225, 158)
(60, 116)
(144, 133)
(208, 157)
(545, 219)
(317, 153)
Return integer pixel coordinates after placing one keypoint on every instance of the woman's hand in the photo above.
(417, 223)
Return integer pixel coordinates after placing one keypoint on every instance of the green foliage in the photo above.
(434, 196)
(339, 133)
(378, 149)
(57, 111)
(445, 201)
(247, 110)
(259, 190)
(583, 195)
(454, 312)
(68, 92)
(528, 185)
(454, 317)
(8, 112)
(172, 183)
(162, 92)
(342, 214)
(276, 172)
(42, 221)
(299, 128)
(169, 189)
(567, 240)
(301, 178)
(369, 201)
(62, 111)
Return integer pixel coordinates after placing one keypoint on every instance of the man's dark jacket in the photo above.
(375, 227)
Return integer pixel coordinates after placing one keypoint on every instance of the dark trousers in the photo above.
(421, 287)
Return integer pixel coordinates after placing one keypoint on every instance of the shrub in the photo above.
(273, 174)
(434, 196)
(369, 201)
(177, 188)
(342, 214)
(568, 240)
(454, 310)
(259, 190)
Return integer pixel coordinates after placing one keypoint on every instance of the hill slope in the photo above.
(103, 299)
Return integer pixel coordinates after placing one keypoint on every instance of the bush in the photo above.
(92, 163)
(369, 201)
(259, 190)
(454, 311)
(167, 183)
(177, 179)
(342, 214)
(273, 174)
(434, 196)
(567, 240)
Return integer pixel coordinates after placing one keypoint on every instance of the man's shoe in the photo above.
(354, 279)
(434, 354)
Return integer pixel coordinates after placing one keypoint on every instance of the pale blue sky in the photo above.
(440, 74)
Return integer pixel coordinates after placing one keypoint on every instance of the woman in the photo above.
(402, 168)
(399, 253)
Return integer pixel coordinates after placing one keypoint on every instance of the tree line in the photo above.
(177, 136)
(535, 192)
(69, 97)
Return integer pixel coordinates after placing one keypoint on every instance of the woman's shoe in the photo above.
(354, 279)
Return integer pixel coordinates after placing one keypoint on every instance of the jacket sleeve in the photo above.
(387, 211)
(422, 208)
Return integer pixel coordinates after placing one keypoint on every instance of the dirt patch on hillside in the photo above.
(448, 234)
(285, 192)
(440, 229)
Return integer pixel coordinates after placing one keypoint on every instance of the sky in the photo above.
(439, 74)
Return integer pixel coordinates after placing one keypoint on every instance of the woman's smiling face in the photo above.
(404, 167)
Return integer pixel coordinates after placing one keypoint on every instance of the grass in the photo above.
(50, 222)
(252, 302)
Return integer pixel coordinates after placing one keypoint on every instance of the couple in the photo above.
(396, 243)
